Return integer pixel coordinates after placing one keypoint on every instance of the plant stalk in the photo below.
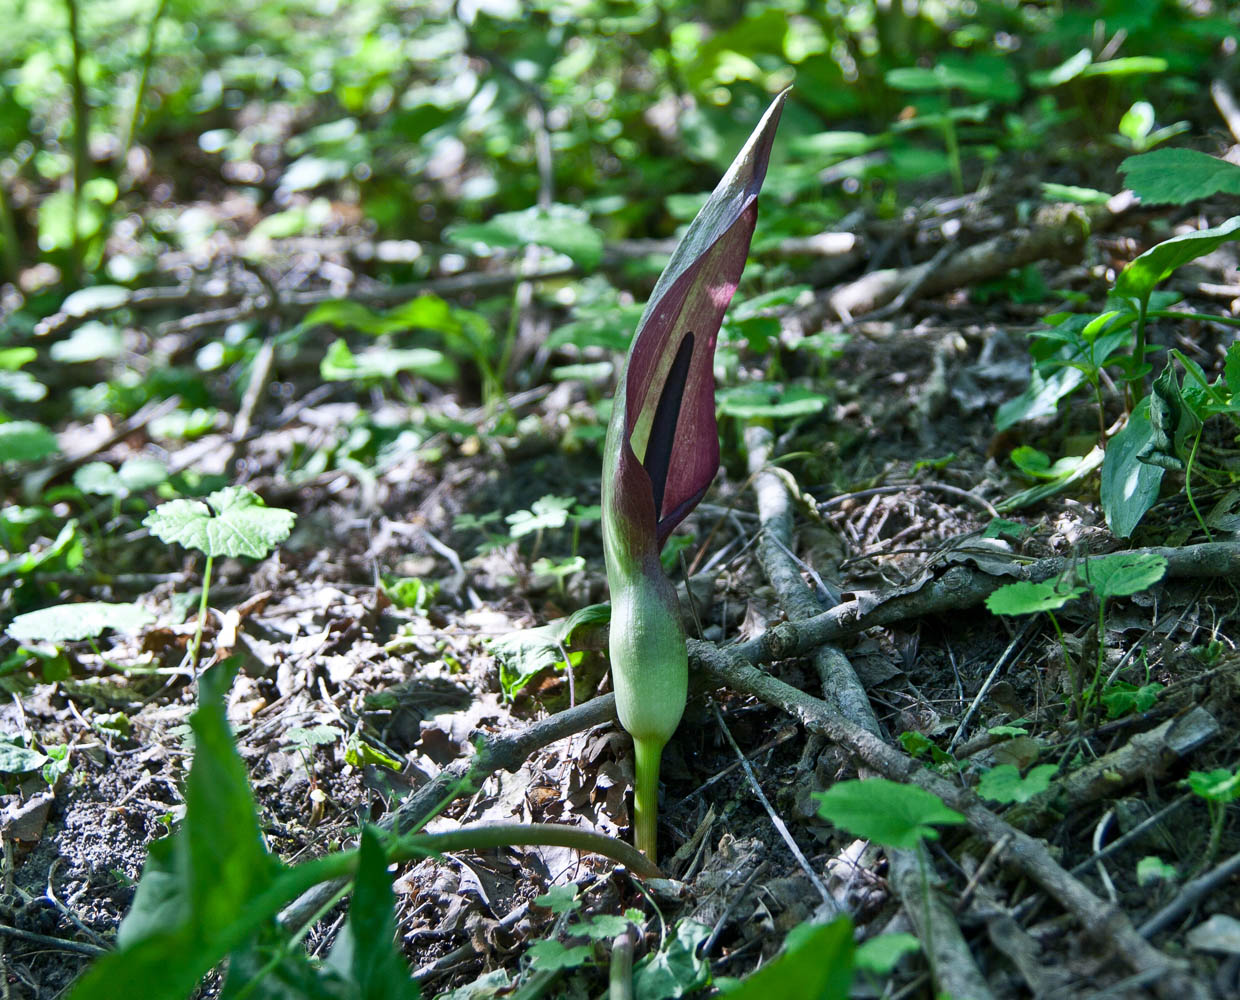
(202, 617)
(647, 755)
(81, 126)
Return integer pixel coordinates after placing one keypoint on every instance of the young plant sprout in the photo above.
(662, 453)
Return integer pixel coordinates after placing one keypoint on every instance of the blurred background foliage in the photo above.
(135, 129)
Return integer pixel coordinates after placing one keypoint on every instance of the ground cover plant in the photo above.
(417, 488)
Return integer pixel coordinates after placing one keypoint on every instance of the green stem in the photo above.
(144, 73)
(1073, 671)
(81, 154)
(10, 258)
(1188, 486)
(647, 755)
(202, 617)
(953, 149)
(1136, 384)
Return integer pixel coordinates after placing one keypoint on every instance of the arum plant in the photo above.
(661, 454)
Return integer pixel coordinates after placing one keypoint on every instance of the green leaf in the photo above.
(675, 970)
(1126, 66)
(550, 955)
(365, 954)
(93, 341)
(563, 228)
(885, 812)
(559, 899)
(1152, 870)
(307, 737)
(26, 441)
(1138, 279)
(1129, 487)
(547, 512)
(232, 522)
(134, 476)
(879, 955)
(16, 759)
(69, 622)
(194, 902)
(1172, 423)
(1027, 598)
(816, 964)
(1178, 176)
(1004, 783)
(1122, 573)
(1069, 69)
(340, 364)
(602, 927)
(1219, 785)
(359, 753)
(1121, 698)
(769, 401)
(523, 654)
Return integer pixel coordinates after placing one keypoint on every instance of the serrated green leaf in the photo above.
(1122, 573)
(1027, 598)
(559, 899)
(816, 964)
(1129, 487)
(1004, 783)
(232, 522)
(602, 927)
(69, 622)
(550, 955)
(1178, 176)
(1138, 279)
(26, 441)
(885, 812)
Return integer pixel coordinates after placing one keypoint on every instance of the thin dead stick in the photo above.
(463, 777)
(1192, 894)
(776, 820)
(1100, 920)
(958, 588)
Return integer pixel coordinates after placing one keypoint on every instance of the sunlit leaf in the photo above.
(886, 812)
(232, 522)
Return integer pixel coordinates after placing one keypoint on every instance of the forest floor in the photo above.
(895, 481)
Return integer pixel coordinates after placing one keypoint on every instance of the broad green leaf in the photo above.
(19, 760)
(879, 955)
(1037, 464)
(134, 476)
(550, 955)
(559, 899)
(308, 737)
(93, 341)
(1041, 398)
(885, 812)
(1219, 785)
(359, 753)
(340, 364)
(1122, 573)
(232, 522)
(26, 441)
(1027, 598)
(365, 954)
(1138, 279)
(1074, 472)
(563, 228)
(69, 622)
(1004, 783)
(1129, 486)
(1178, 176)
(816, 963)
(602, 927)
(769, 401)
(675, 970)
(940, 77)
(523, 654)
(1121, 698)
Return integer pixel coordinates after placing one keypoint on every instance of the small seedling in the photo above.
(1004, 783)
(1219, 788)
(1117, 575)
(230, 522)
(886, 812)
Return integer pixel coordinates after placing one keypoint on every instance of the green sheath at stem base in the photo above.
(646, 754)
